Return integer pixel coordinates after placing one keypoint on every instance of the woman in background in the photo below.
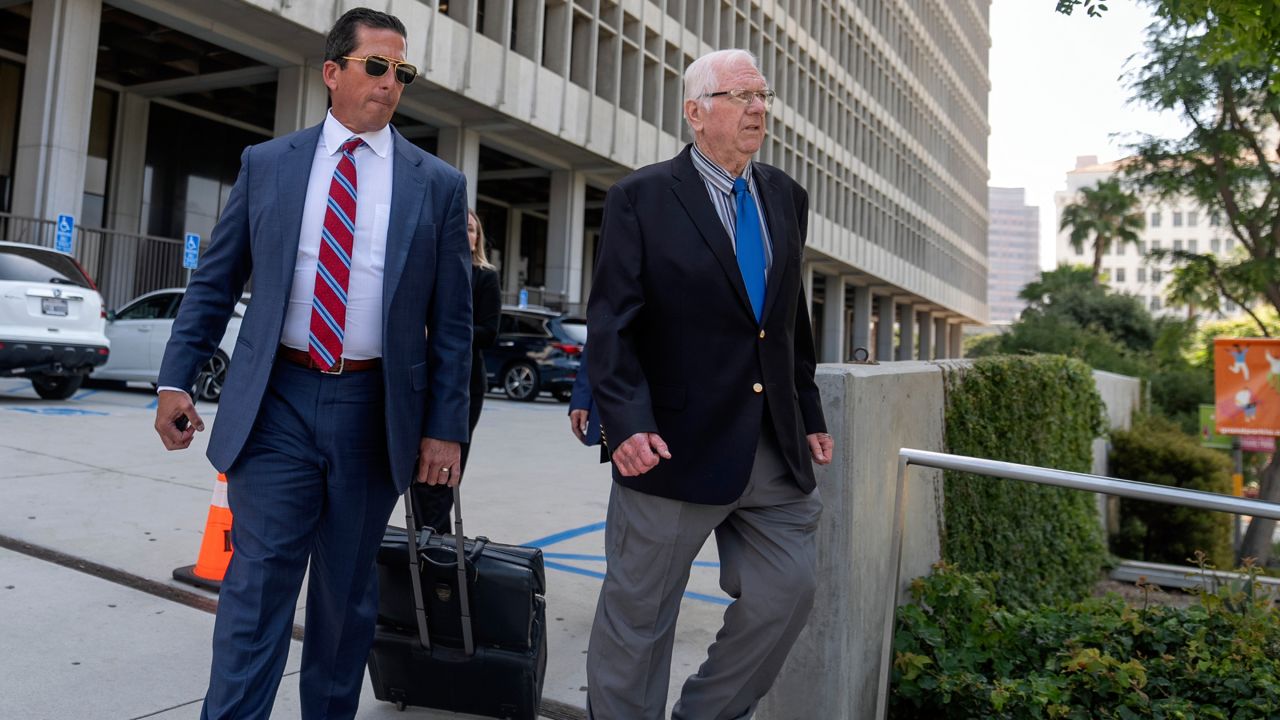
(436, 501)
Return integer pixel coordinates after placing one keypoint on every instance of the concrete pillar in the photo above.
(906, 331)
(301, 99)
(940, 337)
(806, 278)
(956, 340)
(589, 243)
(925, 320)
(834, 668)
(833, 337)
(460, 148)
(128, 173)
(565, 234)
(511, 256)
(862, 319)
(885, 311)
(128, 163)
(57, 100)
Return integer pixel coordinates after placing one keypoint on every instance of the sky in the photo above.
(1057, 92)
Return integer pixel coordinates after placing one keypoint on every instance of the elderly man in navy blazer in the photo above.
(702, 368)
(349, 378)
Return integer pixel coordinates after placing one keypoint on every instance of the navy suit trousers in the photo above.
(311, 487)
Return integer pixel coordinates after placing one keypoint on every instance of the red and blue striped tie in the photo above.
(333, 271)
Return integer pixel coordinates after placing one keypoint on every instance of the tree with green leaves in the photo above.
(1106, 214)
(1242, 30)
(1226, 163)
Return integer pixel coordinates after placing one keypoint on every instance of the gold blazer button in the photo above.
(758, 388)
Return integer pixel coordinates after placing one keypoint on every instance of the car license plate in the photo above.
(54, 306)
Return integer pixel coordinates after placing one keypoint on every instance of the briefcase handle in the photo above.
(415, 572)
(478, 546)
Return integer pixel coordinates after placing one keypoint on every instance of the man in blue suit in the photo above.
(349, 378)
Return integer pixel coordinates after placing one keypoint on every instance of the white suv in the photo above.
(52, 320)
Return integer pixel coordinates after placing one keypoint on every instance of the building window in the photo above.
(1231, 244)
(1193, 245)
(1119, 275)
(1155, 245)
(1142, 274)
(1215, 245)
(1119, 249)
(1156, 275)
(1155, 302)
(1230, 308)
(1193, 217)
(1215, 219)
(1177, 219)
(1155, 219)
(1080, 249)
(1142, 248)
(1177, 245)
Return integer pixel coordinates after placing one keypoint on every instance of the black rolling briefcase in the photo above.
(463, 627)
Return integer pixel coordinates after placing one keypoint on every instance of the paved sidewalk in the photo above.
(88, 478)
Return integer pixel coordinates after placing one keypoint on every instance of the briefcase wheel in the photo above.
(400, 705)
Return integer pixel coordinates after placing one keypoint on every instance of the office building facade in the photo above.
(131, 114)
(1013, 246)
(1179, 224)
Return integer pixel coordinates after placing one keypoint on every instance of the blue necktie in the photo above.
(750, 245)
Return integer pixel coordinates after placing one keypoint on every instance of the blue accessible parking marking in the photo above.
(56, 411)
(550, 560)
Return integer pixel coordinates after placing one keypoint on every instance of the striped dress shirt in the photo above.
(720, 187)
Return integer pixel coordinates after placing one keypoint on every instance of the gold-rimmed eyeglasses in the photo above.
(744, 97)
(377, 66)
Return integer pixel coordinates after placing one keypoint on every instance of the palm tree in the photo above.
(1106, 213)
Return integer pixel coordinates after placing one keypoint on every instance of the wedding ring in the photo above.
(444, 469)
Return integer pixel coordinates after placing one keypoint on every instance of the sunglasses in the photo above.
(377, 66)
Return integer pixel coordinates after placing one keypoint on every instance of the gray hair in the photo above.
(703, 74)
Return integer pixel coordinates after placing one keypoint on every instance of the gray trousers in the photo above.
(767, 564)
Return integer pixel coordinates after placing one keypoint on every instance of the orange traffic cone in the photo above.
(215, 548)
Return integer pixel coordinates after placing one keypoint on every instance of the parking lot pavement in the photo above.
(89, 479)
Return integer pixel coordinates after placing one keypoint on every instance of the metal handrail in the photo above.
(1041, 476)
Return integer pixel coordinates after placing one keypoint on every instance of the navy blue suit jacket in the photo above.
(675, 346)
(581, 400)
(426, 291)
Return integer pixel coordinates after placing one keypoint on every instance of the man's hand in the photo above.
(438, 462)
(170, 406)
(640, 454)
(578, 424)
(820, 447)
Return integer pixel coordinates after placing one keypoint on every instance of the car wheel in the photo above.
(520, 382)
(212, 376)
(56, 387)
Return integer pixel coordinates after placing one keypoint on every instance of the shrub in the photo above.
(960, 654)
(1177, 393)
(1044, 543)
(1155, 451)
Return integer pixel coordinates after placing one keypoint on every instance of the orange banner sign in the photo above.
(1246, 385)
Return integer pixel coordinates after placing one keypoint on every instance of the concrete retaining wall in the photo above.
(873, 411)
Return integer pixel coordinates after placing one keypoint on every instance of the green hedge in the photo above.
(1044, 543)
(960, 654)
(1157, 452)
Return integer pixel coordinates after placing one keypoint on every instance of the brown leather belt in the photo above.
(345, 365)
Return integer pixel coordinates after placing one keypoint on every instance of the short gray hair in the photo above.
(703, 74)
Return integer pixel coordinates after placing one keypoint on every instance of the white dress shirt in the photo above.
(363, 331)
